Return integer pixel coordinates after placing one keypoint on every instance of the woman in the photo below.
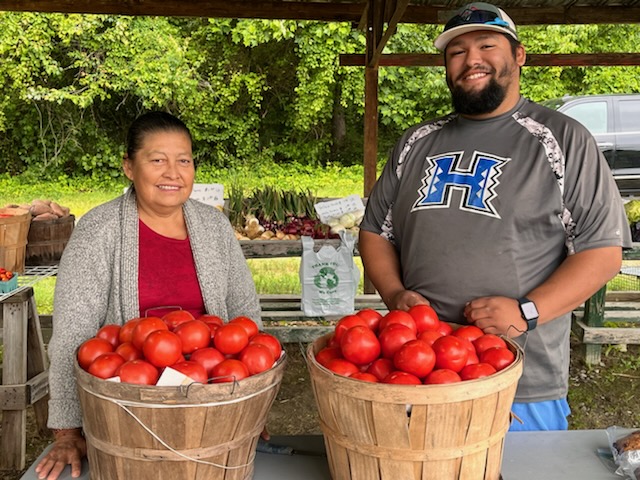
(150, 248)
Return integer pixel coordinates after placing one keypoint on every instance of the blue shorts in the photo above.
(549, 415)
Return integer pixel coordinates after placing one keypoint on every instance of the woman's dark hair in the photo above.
(152, 122)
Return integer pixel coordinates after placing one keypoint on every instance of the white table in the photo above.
(567, 455)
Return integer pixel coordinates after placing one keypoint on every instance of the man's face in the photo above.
(483, 73)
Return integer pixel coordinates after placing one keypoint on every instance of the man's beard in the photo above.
(478, 102)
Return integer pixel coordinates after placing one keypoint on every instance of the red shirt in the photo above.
(166, 275)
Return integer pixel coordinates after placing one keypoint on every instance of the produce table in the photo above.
(567, 455)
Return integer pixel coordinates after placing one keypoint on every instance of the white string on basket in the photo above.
(180, 454)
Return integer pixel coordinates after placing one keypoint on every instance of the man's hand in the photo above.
(404, 300)
(497, 315)
(68, 449)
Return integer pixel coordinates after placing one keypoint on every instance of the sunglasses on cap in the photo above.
(483, 17)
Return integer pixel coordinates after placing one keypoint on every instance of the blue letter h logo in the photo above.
(477, 183)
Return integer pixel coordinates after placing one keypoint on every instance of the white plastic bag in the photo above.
(329, 277)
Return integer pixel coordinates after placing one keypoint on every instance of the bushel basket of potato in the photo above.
(50, 230)
(388, 429)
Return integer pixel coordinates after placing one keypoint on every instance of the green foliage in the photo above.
(253, 92)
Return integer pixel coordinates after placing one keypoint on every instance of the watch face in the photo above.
(529, 310)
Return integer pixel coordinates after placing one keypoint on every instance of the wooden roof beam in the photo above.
(350, 12)
(533, 60)
(323, 11)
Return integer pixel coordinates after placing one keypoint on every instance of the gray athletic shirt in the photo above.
(492, 207)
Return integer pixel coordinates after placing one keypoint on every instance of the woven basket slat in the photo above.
(423, 432)
(197, 432)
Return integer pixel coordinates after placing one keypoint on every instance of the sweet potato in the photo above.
(44, 216)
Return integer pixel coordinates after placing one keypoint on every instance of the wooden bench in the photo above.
(607, 318)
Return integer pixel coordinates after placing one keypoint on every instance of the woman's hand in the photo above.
(68, 449)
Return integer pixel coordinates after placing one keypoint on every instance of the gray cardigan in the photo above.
(97, 284)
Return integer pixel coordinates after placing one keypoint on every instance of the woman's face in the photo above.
(162, 171)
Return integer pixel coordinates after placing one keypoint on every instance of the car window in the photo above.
(592, 115)
(629, 113)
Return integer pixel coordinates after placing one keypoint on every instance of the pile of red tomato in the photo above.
(205, 349)
(411, 347)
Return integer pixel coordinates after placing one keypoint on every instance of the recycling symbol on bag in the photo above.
(326, 278)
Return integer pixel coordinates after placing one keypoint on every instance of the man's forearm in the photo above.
(577, 278)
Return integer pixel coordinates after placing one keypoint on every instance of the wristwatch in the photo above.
(529, 312)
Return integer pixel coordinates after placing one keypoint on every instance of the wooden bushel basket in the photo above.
(378, 431)
(13, 238)
(199, 431)
(47, 239)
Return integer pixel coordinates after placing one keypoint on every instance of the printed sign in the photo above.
(336, 208)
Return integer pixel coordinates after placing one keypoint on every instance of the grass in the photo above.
(271, 276)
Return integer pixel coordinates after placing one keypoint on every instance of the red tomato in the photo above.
(106, 365)
(193, 370)
(371, 316)
(249, 325)
(270, 341)
(327, 353)
(470, 332)
(342, 367)
(476, 370)
(360, 345)
(429, 336)
(402, 378)
(487, 341)
(393, 337)
(425, 317)
(126, 331)
(127, 351)
(162, 348)
(110, 333)
(139, 372)
(367, 377)
(194, 334)
(415, 357)
(92, 349)
(499, 358)
(381, 367)
(144, 327)
(177, 317)
(401, 317)
(468, 345)
(257, 357)
(473, 358)
(333, 341)
(450, 353)
(442, 375)
(230, 370)
(345, 323)
(211, 319)
(207, 357)
(231, 338)
(444, 328)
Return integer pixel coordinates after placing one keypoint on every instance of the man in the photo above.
(503, 214)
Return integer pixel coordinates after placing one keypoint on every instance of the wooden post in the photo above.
(594, 317)
(374, 35)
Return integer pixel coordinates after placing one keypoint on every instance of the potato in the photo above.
(44, 216)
